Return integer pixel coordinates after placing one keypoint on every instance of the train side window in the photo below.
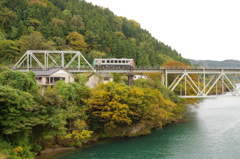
(111, 61)
(103, 61)
(108, 61)
(123, 61)
(116, 61)
(119, 61)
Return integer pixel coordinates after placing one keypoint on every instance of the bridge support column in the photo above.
(130, 79)
(163, 80)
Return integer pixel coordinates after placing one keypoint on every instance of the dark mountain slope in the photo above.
(216, 64)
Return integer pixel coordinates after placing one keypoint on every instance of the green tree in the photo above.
(96, 54)
(16, 111)
(91, 39)
(19, 80)
(118, 77)
(18, 108)
(81, 79)
(77, 21)
(2, 35)
(19, 7)
(7, 18)
(9, 51)
(60, 43)
(22, 30)
(75, 92)
(56, 28)
(66, 15)
(34, 22)
(34, 41)
(63, 106)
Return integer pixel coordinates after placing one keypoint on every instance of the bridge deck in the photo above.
(146, 70)
(74, 61)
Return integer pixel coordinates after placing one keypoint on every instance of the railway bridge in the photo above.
(187, 81)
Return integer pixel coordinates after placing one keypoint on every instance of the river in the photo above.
(212, 131)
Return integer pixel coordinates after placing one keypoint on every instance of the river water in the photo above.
(212, 131)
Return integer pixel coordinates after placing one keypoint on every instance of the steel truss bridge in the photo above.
(187, 81)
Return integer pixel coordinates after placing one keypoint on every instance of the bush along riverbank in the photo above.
(71, 115)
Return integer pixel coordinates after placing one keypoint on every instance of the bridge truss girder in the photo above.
(184, 83)
(44, 59)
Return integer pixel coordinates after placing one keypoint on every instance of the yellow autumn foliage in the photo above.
(77, 41)
(113, 106)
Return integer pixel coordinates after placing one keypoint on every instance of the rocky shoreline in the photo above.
(49, 153)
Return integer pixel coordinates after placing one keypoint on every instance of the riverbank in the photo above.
(49, 153)
(208, 131)
(3, 156)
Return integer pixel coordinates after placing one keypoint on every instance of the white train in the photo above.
(113, 63)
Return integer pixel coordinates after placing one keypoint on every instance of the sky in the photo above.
(197, 29)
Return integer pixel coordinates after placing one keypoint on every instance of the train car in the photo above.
(113, 63)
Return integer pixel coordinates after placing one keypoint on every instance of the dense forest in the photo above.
(76, 25)
(73, 114)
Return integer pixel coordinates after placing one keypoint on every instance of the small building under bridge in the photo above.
(51, 76)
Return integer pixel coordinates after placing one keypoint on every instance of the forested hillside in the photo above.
(76, 25)
(72, 114)
(216, 64)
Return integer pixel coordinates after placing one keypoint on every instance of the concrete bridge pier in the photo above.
(130, 79)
